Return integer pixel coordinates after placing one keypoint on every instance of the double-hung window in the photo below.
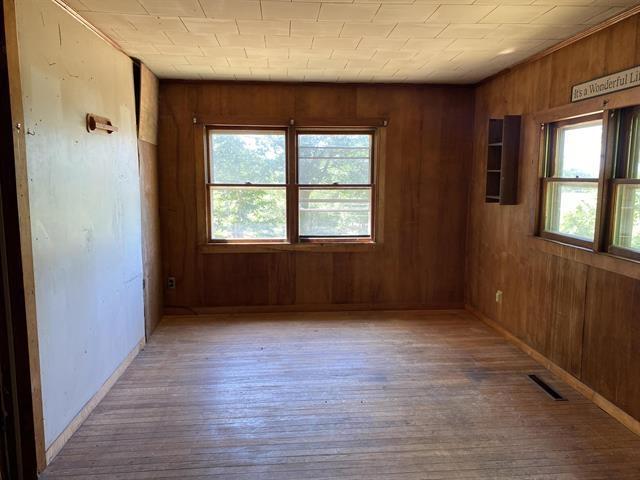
(591, 182)
(290, 185)
(247, 189)
(335, 185)
(572, 172)
(625, 235)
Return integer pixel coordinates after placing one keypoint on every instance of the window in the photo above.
(625, 238)
(591, 182)
(247, 189)
(290, 185)
(571, 182)
(335, 185)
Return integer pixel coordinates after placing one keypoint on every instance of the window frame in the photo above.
(621, 176)
(549, 158)
(210, 184)
(342, 186)
(375, 127)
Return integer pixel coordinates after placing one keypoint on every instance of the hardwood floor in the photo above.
(358, 395)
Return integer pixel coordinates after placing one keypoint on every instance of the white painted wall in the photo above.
(84, 197)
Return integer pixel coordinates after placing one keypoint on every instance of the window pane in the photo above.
(334, 158)
(571, 209)
(335, 213)
(248, 213)
(248, 156)
(627, 221)
(578, 149)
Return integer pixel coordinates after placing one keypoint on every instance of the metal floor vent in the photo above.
(547, 388)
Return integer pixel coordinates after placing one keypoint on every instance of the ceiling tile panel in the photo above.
(531, 31)
(392, 44)
(515, 14)
(355, 29)
(197, 39)
(563, 15)
(150, 23)
(275, 41)
(279, 10)
(184, 8)
(417, 30)
(268, 53)
(355, 53)
(206, 60)
(113, 6)
(178, 50)
(405, 13)
(209, 25)
(334, 42)
(241, 40)
(468, 30)
(348, 13)
(460, 13)
(214, 52)
(299, 28)
(263, 27)
(232, 9)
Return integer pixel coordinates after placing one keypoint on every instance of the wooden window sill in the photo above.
(602, 260)
(326, 247)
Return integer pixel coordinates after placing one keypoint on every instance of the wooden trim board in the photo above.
(215, 316)
(185, 310)
(616, 412)
(62, 439)
(22, 185)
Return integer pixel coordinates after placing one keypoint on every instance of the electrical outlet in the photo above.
(171, 283)
(498, 296)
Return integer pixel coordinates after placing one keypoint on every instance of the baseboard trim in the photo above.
(586, 391)
(303, 308)
(62, 439)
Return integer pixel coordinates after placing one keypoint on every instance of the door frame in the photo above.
(20, 353)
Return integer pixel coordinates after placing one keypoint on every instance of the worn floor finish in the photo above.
(396, 395)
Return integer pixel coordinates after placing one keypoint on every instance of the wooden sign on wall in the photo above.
(607, 84)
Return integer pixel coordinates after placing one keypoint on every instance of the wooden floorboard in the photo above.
(357, 395)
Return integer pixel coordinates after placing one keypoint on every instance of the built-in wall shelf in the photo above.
(503, 152)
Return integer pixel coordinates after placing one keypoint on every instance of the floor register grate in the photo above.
(547, 388)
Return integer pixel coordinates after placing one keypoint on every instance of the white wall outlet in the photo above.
(498, 296)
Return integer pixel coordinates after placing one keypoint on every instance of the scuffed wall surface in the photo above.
(85, 207)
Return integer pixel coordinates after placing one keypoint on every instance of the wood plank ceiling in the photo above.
(432, 41)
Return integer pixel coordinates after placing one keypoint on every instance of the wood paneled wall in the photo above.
(583, 318)
(421, 262)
